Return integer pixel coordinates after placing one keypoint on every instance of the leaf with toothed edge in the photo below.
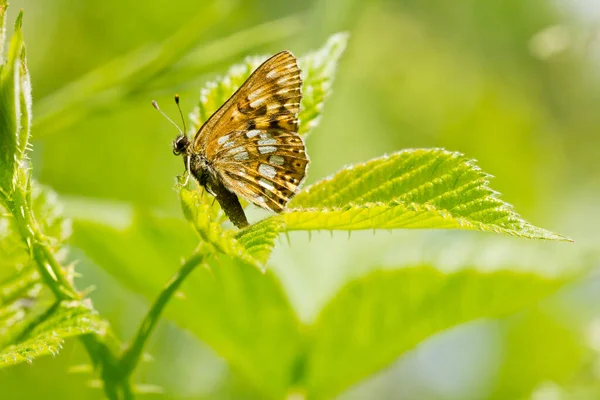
(202, 216)
(66, 319)
(416, 188)
(259, 239)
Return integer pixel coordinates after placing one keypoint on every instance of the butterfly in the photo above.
(250, 147)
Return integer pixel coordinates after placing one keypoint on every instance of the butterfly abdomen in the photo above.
(229, 203)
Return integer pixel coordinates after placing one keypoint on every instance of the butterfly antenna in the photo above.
(180, 112)
(155, 105)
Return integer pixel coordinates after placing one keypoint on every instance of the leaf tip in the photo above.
(19, 21)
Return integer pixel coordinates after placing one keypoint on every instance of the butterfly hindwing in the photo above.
(267, 169)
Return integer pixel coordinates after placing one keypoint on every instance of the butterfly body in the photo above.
(250, 146)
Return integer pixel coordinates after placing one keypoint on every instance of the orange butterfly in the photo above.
(250, 146)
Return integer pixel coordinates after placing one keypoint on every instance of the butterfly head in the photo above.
(180, 144)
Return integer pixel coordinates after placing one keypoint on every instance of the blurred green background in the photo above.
(513, 84)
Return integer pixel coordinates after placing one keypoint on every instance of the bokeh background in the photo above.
(513, 84)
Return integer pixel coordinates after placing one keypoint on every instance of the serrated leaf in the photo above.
(259, 239)
(241, 312)
(377, 318)
(67, 320)
(49, 211)
(203, 216)
(318, 70)
(416, 188)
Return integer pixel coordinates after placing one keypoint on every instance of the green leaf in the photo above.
(45, 204)
(318, 70)
(203, 215)
(259, 239)
(377, 318)
(10, 110)
(65, 320)
(416, 188)
(3, 7)
(236, 309)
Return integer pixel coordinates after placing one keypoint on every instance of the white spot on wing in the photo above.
(259, 199)
(282, 80)
(267, 170)
(286, 90)
(255, 94)
(267, 149)
(266, 184)
(229, 144)
(223, 139)
(256, 103)
(266, 142)
(276, 160)
(272, 74)
(252, 133)
(236, 150)
(241, 156)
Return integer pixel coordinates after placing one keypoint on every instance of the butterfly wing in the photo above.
(252, 140)
(267, 169)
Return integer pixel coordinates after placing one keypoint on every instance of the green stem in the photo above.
(132, 355)
(50, 270)
(54, 277)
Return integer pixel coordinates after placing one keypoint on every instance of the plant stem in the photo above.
(54, 277)
(49, 268)
(132, 355)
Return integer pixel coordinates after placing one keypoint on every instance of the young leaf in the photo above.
(203, 217)
(377, 318)
(417, 188)
(66, 320)
(318, 70)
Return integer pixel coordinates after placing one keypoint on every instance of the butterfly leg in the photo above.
(187, 170)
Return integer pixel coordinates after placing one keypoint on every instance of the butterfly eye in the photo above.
(180, 145)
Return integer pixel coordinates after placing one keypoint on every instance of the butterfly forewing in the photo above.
(252, 140)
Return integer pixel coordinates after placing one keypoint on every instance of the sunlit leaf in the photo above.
(10, 108)
(422, 188)
(259, 239)
(318, 72)
(66, 320)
